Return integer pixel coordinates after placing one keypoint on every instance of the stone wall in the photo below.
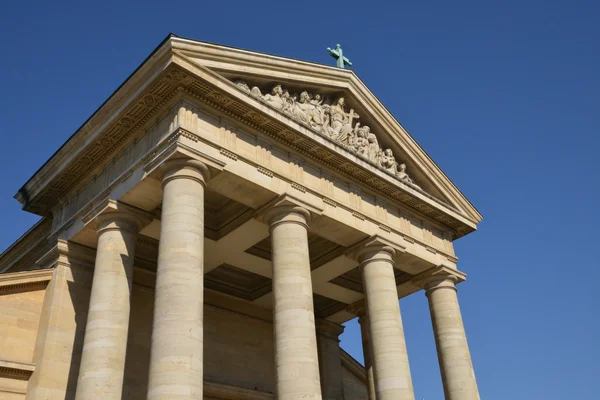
(19, 320)
(20, 310)
(354, 388)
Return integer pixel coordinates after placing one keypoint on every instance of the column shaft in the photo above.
(367, 355)
(296, 359)
(177, 332)
(105, 344)
(330, 360)
(456, 366)
(390, 358)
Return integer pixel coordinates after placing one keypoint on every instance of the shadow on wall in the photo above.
(79, 291)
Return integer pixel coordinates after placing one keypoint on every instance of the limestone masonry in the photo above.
(207, 231)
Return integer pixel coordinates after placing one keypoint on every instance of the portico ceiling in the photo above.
(238, 261)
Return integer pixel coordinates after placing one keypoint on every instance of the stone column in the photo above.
(363, 320)
(456, 366)
(296, 359)
(177, 332)
(390, 358)
(330, 359)
(105, 343)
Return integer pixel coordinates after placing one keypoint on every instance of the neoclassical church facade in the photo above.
(208, 230)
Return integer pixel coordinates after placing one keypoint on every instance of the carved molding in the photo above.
(16, 370)
(177, 81)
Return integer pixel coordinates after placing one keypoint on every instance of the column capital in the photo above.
(112, 214)
(439, 277)
(184, 168)
(373, 246)
(287, 208)
(328, 328)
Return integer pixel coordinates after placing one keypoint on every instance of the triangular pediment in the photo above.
(309, 94)
(304, 113)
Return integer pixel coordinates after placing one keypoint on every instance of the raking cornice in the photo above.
(167, 75)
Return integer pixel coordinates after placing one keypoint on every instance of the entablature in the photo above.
(130, 134)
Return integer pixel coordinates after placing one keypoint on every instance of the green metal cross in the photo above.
(337, 53)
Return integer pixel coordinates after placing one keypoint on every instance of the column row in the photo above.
(386, 364)
(176, 359)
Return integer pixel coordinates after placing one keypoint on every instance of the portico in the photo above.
(206, 192)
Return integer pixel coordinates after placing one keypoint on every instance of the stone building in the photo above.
(207, 231)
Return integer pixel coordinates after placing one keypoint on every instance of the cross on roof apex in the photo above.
(338, 54)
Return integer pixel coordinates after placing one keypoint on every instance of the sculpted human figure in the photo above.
(388, 162)
(255, 91)
(374, 151)
(360, 143)
(403, 176)
(341, 121)
(242, 85)
(334, 121)
(275, 98)
(289, 102)
(304, 110)
(319, 111)
(316, 101)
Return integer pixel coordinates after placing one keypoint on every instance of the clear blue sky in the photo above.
(503, 95)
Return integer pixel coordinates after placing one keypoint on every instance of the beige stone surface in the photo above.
(177, 334)
(60, 337)
(363, 320)
(296, 359)
(105, 343)
(456, 366)
(183, 102)
(390, 358)
(19, 320)
(353, 377)
(239, 350)
(354, 388)
(234, 340)
(330, 359)
(137, 362)
(12, 389)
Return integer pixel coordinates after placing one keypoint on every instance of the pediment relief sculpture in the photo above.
(332, 120)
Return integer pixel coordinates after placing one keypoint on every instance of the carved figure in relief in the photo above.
(341, 122)
(255, 91)
(360, 143)
(332, 120)
(374, 151)
(242, 85)
(317, 101)
(403, 176)
(276, 99)
(388, 161)
(307, 112)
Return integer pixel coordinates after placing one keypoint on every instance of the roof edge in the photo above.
(22, 195)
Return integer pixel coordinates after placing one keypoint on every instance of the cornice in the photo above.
(22, 247)
(249, 63)
(16, 370)
(25, 281)
(226, 97)
(169, 74)
(353, 366)
(107, 129)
